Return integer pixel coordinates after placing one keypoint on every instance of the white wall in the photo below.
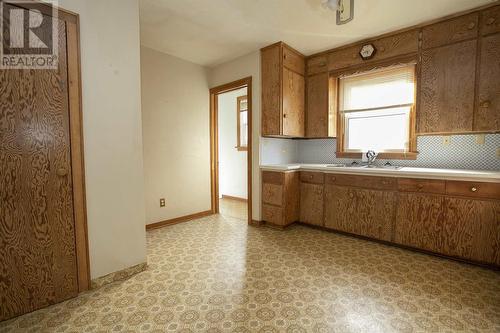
(232, 162)
(109, 34)
(239, 68)
(175, 117)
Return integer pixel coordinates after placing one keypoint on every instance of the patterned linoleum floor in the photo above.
(216, 274)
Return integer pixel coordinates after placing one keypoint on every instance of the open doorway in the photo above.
(231, 149)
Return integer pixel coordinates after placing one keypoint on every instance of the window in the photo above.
(242, 122)
(376, 110)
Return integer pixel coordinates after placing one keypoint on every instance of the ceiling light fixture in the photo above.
(343, 8)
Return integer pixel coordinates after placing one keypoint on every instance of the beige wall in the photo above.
(175, 117)
(239, 68)
(109, 33)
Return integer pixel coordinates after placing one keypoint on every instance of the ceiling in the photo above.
(211, 32)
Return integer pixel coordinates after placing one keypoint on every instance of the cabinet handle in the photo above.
(485, 104)
(420, 186)
(471, 25)
(61, 172)
(311, 177)
(490, 21)
(284, 115)
(473, 189)
(333, 179)
(322, 64)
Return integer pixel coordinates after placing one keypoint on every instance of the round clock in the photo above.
(367, 51)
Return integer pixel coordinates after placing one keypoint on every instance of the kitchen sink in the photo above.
(345, 166)
(360, 166)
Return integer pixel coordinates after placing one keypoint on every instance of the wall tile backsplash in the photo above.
(462, 152)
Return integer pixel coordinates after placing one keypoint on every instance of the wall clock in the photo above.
(367, 51)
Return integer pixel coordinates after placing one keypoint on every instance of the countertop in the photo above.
(428, 173)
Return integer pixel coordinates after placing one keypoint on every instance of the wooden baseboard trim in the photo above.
(256, 223)
(229, 197)
(178, 220)
(118, 276)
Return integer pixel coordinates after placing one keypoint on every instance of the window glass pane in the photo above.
(243, 128)
(380, 88)
(379, 130)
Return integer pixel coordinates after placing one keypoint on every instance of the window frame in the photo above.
(239, 146)
(411, 153)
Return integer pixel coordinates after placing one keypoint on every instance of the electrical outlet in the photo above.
(446, 140)
(480, 139)
(162, 202)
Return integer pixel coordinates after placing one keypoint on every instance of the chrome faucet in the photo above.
(372, 156)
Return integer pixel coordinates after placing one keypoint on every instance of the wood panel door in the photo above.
(38, 263)
(419, 221)
(317, 106)
(447, 89)
(472, 229)
(487, 115)
(293, 103)
(362, 212)
(311, 203)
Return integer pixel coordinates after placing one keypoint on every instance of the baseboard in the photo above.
(178, 220)
(229, 197)
(256, 223)
(118, 275)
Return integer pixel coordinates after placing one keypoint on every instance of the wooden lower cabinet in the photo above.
(280, 197)
(311, 203)
(361, 212)
(471, 229)
(419, 221)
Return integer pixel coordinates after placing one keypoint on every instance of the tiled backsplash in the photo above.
(462, 152)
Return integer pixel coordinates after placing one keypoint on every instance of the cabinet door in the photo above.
(271, 90)
(362, 212)
(447, 88)
(419, 221)
(472, 229)
(311, 203)
(293, 103)
(487, 115)
(317, 106)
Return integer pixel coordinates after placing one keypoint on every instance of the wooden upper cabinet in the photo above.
(387, 47)
(487, 115)
(490, 20)
(447, 88)
(450, 31)
(317, 64)
(317, 110)
(283, 91)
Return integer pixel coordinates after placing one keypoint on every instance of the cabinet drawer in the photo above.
(272, 194)
(272, 214)
(272, 177)
(490, 20)
(312, 177)
(318, 64)
(369, 182)
(422, 185)
(293, 60)
(387, 47)
(475, 190)
(450, 31)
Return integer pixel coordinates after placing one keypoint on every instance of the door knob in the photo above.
(61, 172)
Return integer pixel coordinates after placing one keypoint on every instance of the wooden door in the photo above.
(317, 106)
(487, 115)
(447, 88)
(311, 203)
(271, 90)
(38, 263)
(419, 221)
(472, 229)
(293, 103)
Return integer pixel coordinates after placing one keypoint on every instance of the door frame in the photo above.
(214, 142)
(75, 113)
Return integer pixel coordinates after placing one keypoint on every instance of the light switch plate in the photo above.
(480, 138)
(446, 140)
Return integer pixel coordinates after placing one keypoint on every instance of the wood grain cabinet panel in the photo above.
(317, 111)
(450, 31)
(447, 89)
(280, 197)
(473, 189)
(317, 64)
(472, 229)
(312, 177)
(487, 115)
(272, 214)
(311, 203)
(490, 20)
(359, 211)
(422, 185)
(419, 221)
(272, 194)
(271, 91)
(273, 177)
(293, 60)
(369, 182)
(293, 104)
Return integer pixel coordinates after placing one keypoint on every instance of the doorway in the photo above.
(231, 149)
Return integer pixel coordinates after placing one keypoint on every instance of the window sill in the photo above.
(382, 156)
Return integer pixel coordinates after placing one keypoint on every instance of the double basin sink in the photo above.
(361, 166)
